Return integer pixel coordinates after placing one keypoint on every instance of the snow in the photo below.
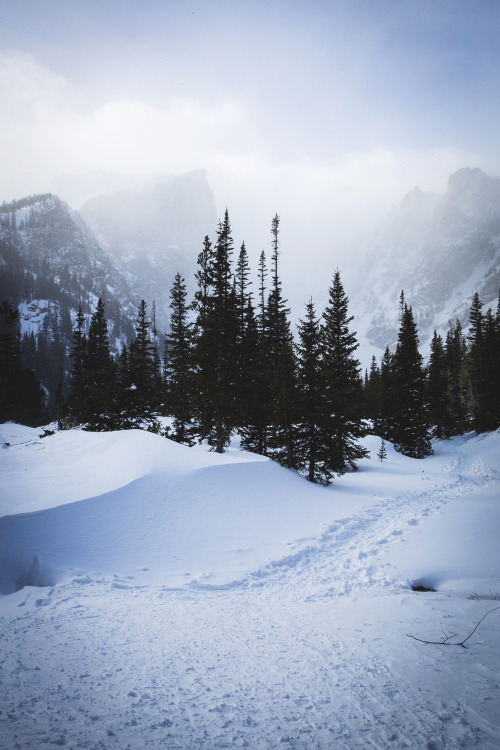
(184, 599)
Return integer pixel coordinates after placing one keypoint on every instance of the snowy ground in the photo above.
(188, 600)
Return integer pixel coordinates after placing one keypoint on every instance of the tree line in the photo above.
(230, 365)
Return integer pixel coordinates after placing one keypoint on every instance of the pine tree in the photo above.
(73, 411)
(277, 348)
(457, 380)
(246, 342)
(125, 401)
(178, 365)
(475, 361)
(437, 382)
(384, 422)
(411, 417)
(254, 429)
(143, 368)
(311, 398)
(490, 417)
(215, 343)
(99, 374)
(372, 391)
(204, 345)
(483, 367)
(342, 425)
(21, 397)
(382, 452)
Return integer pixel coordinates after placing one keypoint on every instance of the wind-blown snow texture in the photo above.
(183, 599)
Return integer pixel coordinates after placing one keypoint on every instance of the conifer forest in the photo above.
(229, 364)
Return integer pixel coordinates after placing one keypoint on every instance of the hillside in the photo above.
(186, 599)
(439, 249)
(50, 265)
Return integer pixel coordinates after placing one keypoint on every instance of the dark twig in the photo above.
(446, 641)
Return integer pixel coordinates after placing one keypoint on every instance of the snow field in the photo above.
(273, 613)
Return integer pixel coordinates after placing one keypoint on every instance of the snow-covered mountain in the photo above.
(50, 264)
(152, 233)
(439, 249)
(50, 258)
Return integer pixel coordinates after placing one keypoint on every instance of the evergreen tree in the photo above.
(143, 361)
(21, 397)
(342, 425)
(277, 348)
(178, 365)
(483, 367)
(475, 359)
(125, 401)
(246, 342)
(215, 343)
(411, 417)
(437, 388)
(490, 381)
(311, 399)
(203, 349)
(457, 381)
(254, 429)
(73, 412)
(372, 391)
(382, 452)
(99, 375)
(384, 422)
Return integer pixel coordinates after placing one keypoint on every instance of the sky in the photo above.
(326, 113)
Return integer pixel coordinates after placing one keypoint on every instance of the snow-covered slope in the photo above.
(184, 599)
(439, 250)
(50, 259)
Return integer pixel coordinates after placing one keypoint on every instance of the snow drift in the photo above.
(163, 596)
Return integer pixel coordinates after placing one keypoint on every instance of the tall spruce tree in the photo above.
(73, 411)
(254, 429)
(483, 367)
(310, 399)
(246, 342)
(475, 362)
(143, 363)
(215, 343)
(179, 365)
(372, 391)
(437, 389)
(277, 347)
(384, 421)
(411, 414)
(457, 381)
(21, 397)
(490, 380)
(97, 411)
(342, 424)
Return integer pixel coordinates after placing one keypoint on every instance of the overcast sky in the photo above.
(324, 112)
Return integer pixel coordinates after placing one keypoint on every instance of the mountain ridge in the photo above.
(438, 249)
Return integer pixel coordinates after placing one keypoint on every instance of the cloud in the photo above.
(49, 128)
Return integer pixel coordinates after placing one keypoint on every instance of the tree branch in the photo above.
(446, 641)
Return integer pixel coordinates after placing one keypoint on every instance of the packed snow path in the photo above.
(305, 650)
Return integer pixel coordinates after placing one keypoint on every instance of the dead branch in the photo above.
(446, 641)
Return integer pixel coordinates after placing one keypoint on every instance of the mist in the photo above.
(325, 115)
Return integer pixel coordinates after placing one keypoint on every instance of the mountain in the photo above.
(78, 189)
(152, 233)
(51, 264)
(439, 249)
